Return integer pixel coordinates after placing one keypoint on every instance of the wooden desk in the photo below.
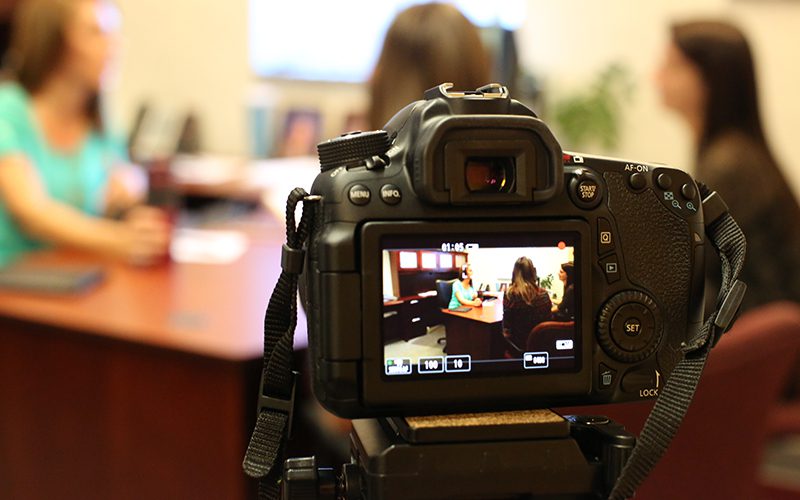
(142, 388)
(477, 332)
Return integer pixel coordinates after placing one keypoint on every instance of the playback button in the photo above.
(610, 266)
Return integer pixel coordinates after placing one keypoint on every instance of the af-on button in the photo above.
(359, 194)
(637, 181)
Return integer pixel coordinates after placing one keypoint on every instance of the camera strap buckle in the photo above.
(714, 207)
(275, 404)
(292, 259)
(729, 309)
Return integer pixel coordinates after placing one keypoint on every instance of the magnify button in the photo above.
(676, 204)
(690, 206)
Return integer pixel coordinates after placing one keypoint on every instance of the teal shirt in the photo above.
(466, 294)
(76, 178)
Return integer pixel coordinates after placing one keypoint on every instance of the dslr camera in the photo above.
(461, 261)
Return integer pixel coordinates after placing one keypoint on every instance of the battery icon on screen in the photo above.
(398, 366)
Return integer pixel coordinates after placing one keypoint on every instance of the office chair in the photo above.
(542, 337)
(444, 292)
(718, 449)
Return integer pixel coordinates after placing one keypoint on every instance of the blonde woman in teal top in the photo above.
(60, 170)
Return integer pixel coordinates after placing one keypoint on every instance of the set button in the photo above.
(629, 326)
(633, 327)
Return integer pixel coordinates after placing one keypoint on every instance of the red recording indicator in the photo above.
(562, 245)
(567, 158)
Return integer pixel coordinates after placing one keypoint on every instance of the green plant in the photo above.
(547, 282)
(592, 117)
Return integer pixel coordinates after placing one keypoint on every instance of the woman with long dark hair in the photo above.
(61, 170)
(525, 304)
(708, 78)
(565, 310)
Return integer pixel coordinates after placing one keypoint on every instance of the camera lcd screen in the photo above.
(455, 305)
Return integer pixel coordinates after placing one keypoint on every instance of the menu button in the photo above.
(359, 194)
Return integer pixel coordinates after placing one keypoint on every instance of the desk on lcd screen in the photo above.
(477, 332)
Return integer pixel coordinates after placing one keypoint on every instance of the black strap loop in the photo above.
(675, 397)
(277, 386)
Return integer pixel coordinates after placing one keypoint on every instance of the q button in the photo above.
(391, 194)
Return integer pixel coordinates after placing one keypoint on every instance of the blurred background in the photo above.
(222, 61)
(131, 342)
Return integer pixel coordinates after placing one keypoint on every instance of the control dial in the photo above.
(629, 326)
(352, 149)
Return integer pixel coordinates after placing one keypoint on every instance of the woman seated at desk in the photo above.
(464, 293)
(565, 310)
(60, 169)
(525, 304)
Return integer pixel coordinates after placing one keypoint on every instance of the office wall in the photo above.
(186, 55)
(192, 55)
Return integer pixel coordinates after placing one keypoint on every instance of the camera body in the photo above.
(419, 291)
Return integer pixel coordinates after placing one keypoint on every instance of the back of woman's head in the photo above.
(524, 284)
(426, 45)
(723, 56)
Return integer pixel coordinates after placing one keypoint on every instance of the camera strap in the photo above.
(670, 408)
(275, 407)
(264, 456)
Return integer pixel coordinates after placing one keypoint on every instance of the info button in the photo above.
(390, 194)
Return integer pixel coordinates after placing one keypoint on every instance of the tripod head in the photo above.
(535, 454)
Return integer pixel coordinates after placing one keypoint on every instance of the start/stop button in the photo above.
(586, 190)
